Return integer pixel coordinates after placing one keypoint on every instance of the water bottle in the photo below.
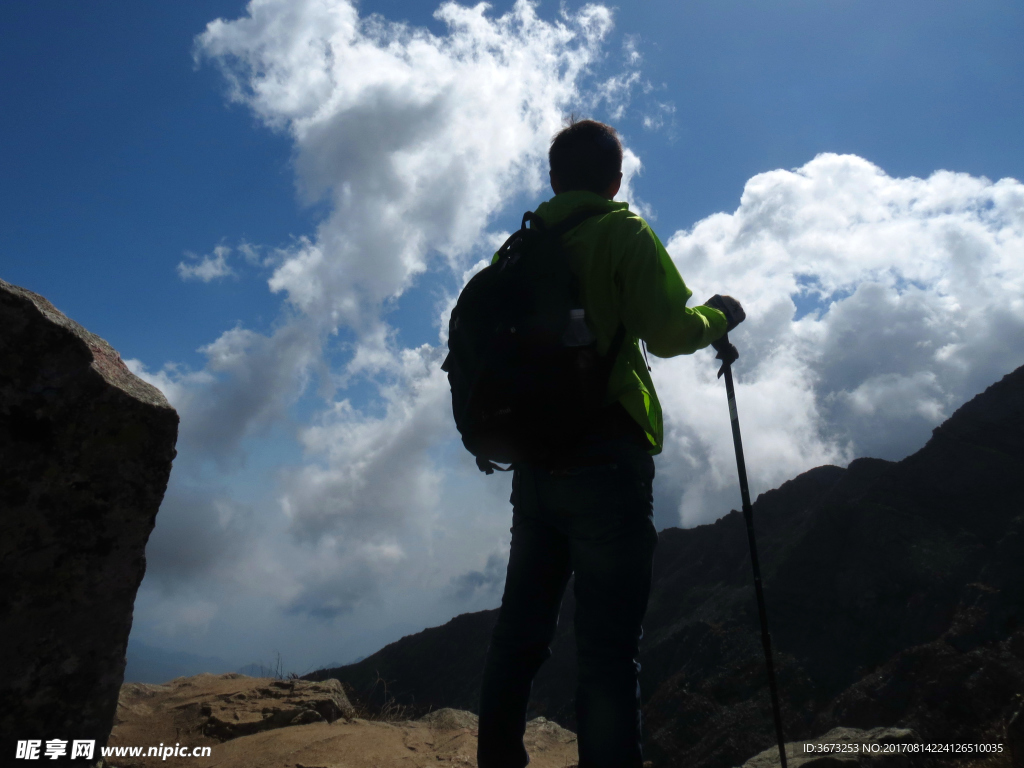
(577, 334)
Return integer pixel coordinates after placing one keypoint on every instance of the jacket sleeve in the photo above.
(654, 298)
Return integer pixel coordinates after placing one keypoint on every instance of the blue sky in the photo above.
(121, 155)
(127, 160)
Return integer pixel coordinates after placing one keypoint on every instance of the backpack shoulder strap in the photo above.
(559, 229)
(556, 230)
(571, 222)
(537, 225)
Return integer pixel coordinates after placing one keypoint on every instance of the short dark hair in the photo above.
(586, 155)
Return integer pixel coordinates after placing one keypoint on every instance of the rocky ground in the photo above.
(253, 722)
(263, 723)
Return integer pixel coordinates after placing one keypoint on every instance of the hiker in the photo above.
(589, 510)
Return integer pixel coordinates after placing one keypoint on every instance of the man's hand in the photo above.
(728, 306)
(727, 353)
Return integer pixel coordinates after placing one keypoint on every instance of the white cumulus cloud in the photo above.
(415, 142)
(876, 306)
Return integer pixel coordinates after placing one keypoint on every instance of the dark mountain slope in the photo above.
(895, 593)
(438, 667)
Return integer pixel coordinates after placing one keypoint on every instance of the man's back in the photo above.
(627, 277)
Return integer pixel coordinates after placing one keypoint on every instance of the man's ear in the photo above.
(613, 188)
(556, 184)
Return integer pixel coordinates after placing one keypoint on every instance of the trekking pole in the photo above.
(748, 515)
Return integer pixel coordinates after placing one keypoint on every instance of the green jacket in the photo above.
(627, 276)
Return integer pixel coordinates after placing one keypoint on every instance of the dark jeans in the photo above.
(595, 520)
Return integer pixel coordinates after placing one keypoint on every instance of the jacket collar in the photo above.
(558, 207)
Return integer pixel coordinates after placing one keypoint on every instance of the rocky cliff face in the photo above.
(895, 594)
(85, 454)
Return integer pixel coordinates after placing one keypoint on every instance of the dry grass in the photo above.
(388, 712)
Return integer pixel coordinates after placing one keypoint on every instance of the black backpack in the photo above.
(526, 377)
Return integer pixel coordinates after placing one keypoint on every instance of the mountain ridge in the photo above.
(891, 587)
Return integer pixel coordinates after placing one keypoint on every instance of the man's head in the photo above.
(586, 155)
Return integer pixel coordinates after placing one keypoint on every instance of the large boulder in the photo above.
(210, 709)
(85, 454)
